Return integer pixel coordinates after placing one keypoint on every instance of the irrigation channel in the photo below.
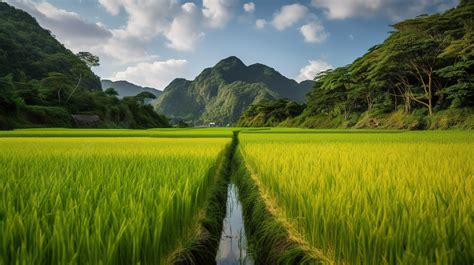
(233, 244)
(235, 215)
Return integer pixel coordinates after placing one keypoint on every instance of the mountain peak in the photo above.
(230, 61)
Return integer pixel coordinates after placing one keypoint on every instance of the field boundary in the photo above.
(270, 240)
(203, 248)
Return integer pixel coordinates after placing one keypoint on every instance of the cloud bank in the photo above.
(310, 71)
(395, 9)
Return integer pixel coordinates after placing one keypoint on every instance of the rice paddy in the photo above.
(72, 196)
(102, 200)
(371, 198)
(160, 133)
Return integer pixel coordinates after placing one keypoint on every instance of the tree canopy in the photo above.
(424, 68)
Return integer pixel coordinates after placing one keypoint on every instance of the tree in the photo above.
(417, 58)
(111, 92)
(461, 90)
(141, 97)
(334, 93)
(90, 59)
(55, 83)
(182, 124)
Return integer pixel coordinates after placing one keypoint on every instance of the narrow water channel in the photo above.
(233, 244)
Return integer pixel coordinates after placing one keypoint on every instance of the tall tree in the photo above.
(55, 83)
(90, 59)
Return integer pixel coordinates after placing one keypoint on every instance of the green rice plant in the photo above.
(102, 200)
(402, 198)
(271, 240)
(202, 249)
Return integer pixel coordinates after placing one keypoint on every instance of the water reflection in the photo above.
(233, 245)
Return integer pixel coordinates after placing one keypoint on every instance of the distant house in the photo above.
(212, 124)
(86, 120)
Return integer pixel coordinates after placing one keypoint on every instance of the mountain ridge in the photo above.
(220, 93)
(128, 89)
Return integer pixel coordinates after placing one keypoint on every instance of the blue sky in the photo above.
(151, 42)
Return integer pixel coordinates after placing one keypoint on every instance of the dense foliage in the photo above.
(221, 93)
(42, 83)
(421, 73)
(270, 113)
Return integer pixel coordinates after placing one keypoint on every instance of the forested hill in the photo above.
(220, 93)
(29, 52)
(43, 84)
(420, 77)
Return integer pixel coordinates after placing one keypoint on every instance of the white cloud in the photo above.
(184, 31)
(395, 9)
(217, 12)
(288, 15)
(249, 7)
(122, 49)
(76, 33)
(310, 71)
(314, 32)
(260, 23)
(146, 18)
(112, 6)
(157, 74)
(182, 25)
(340, 9)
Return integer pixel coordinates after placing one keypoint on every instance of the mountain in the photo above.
(43, 84)
(127, 89)
(220, 93)
(420, 77)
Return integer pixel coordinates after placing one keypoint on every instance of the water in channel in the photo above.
(233, 245)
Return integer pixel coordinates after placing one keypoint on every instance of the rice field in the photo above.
(160, 133)
(98, 196)
(102, 200)
(370, 198)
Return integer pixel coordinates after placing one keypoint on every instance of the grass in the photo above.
(102, 200)
(402, 198)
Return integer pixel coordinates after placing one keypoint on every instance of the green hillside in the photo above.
(220, 94)
(43, 84)
(420, 77)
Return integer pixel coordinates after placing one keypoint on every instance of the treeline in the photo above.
(420, 77)
(42, 84)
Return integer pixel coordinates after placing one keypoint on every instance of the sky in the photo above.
(151, 42)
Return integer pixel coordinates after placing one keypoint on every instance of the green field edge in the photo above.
(270, 241)
(86, 133)
(202, 249)
(296, 130)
